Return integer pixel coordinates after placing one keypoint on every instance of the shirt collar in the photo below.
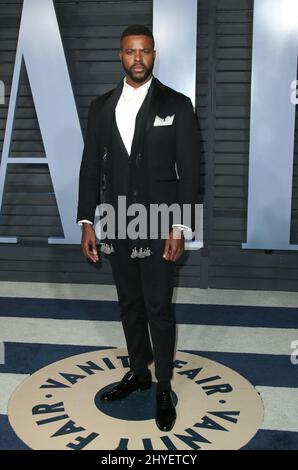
(143, 87)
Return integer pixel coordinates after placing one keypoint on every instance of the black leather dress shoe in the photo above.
(128, 384)
(165, 411)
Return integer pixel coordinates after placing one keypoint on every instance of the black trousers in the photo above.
(145, 289)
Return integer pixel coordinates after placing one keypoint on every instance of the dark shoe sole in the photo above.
(144, 386)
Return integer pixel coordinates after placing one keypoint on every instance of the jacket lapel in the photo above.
(155, 101)
(146, 115)
(140, 124)
(108, 113)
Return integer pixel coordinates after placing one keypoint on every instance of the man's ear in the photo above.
(120, 54)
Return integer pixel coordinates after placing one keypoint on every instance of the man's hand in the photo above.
(89, 243)
(174, 245)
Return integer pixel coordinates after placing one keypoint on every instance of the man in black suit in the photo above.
(142, 144)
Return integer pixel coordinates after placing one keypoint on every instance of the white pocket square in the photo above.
(167, 121)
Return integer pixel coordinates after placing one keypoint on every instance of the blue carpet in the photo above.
(259, 369)
(8, 439)
(273, 440)
(228, 315)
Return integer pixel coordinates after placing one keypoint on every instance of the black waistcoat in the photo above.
(121, 171)
(120, 163)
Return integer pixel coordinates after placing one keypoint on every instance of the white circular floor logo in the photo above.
(59, 406)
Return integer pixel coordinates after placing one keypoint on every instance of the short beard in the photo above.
(138, 78)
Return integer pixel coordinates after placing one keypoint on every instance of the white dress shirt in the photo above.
(127, 108)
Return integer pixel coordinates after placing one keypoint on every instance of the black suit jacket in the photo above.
(166, 148)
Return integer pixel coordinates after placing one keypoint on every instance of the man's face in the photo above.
(137, 56)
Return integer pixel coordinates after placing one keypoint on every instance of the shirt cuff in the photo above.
(80, 222)
(187, 232)
(182, 227)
